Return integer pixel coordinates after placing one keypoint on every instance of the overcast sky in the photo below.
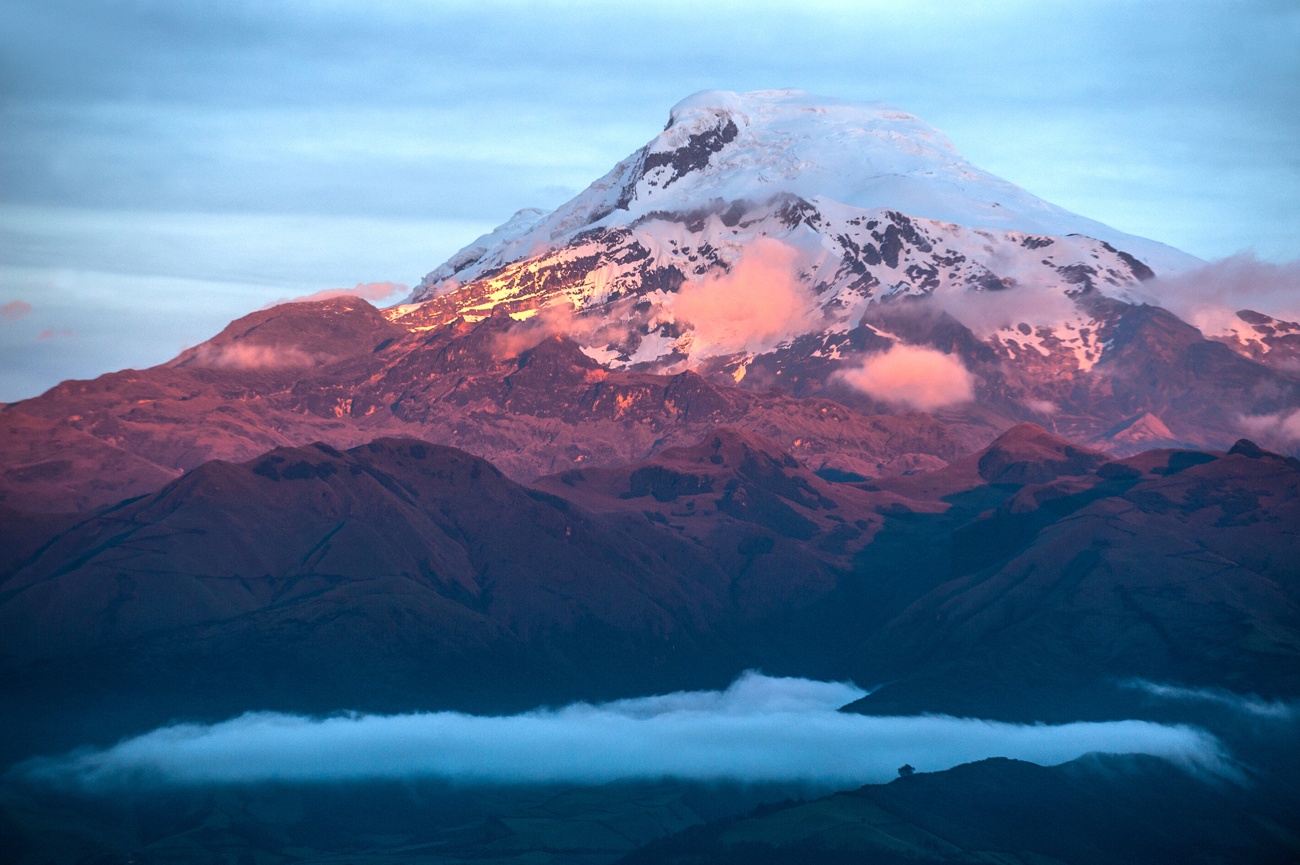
(167, 165)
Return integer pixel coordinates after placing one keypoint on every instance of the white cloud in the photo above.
(1280, 426)
(244, 356)
(986, 312)
(1248, 704)
(759, 729)
(1210, 296)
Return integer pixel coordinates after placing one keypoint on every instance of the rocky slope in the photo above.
(533, 406)
(1022, 581)
(833, 276)
(1055, 577)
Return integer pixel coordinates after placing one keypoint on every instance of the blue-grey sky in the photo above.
(166, 165)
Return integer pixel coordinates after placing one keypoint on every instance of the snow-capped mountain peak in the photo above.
(755, 219)
(754, 145)
(722, 149)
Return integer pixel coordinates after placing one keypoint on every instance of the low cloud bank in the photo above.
(759, 729)
(1210, 296)
(909, 375)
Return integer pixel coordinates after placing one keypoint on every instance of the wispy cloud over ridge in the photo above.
(1282, 426)
(1249, 704)
(372, 291)
(759, 729)
(1209, 297)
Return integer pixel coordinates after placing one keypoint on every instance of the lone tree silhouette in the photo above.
(905, 770)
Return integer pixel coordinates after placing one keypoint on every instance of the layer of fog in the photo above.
(759, 729)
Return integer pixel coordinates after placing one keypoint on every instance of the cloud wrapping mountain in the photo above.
(1210, 296)
(1281, 426)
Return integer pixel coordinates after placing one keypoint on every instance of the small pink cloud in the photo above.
(1042, 406)
(57, 333)
(250, 357)
(560, 319)
(554, 320)
(15, 309)
(755, 304)
(364, 290)
(909, 375)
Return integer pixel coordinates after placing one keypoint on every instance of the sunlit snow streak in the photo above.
(759, 729)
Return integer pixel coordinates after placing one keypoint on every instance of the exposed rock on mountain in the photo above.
(830, 275)
(535, 405)
(723, 153)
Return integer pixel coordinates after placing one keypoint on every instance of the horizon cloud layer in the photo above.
(759, 729)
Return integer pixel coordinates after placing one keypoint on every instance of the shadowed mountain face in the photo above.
(1097, 810)
(1094, 811)
(1171, 566)
(401, 575)
(378, 824)
(391, 576)
(1022, 582)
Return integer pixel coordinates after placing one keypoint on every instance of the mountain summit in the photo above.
(721, 149)
(756, 218)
